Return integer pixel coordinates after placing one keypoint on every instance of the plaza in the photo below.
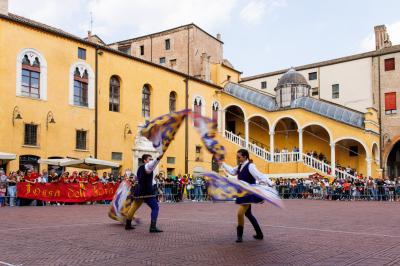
(306, 232)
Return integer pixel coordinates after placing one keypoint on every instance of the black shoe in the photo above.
(259, 236)
(128, 225)
(239, 231)
(153, 227)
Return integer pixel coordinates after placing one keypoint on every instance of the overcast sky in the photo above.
(259, 35)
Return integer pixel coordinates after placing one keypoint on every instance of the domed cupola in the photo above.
(291, 86)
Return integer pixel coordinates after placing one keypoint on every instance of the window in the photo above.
(353, 151)
(167, 44)
(30, 83)
(171, 160)
(390, 103)
(263, 84)
(389, 64)
(146, 101)
(197, 110)
(314, 91)
(215, 108)
(162, 60)
(141, 49)
(81, 88)
(114, 94)
(125, 49)
(172, 63)
(312, 76)
(81, 53)
(30, 137)
(116, 156)
(198, 154)
(81, 140)
(335, 91)
(172, 102)
(228, 78)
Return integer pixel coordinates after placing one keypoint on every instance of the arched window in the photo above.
(197, 109)
(30, 77)
(146, 101)
(172, 102)
(215, 109)
(114, 94)
(81, 85)
(31, 74)
(81, 81)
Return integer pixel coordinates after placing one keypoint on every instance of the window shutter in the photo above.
(390, 101)
(389, 64)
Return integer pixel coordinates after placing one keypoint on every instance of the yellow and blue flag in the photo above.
(207, 129)
(161, 130)
(228, 188)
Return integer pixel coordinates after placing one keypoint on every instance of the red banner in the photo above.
(66, 192)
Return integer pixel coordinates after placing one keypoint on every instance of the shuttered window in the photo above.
(389, 64)
(390, 103)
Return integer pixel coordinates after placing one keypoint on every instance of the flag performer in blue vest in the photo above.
(247, 171)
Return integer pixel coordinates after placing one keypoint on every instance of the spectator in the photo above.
(12, 188)
(3, 190)
(198, 189)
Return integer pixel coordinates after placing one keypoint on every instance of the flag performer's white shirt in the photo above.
(260, 177)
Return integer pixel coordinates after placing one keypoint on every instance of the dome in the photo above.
(292, 77)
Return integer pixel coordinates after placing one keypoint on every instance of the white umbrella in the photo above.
(59, 162)
(7, 156)
(91, 164)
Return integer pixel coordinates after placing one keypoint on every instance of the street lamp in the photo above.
(16, 115)
(49, 119)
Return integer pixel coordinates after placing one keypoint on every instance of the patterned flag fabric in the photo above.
(121, 202)
(228, 188)
(207, 129)
(161, 130)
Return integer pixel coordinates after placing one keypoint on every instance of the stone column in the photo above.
(271, 144)
(246, 133)
(300, 144)
(333, 159)
(222, 126)
(369, 166)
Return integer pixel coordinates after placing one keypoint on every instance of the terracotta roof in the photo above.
(388, 50)
(59, 32)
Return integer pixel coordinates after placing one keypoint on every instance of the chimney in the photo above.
(219, 36)
(4, 7)
(382, 39)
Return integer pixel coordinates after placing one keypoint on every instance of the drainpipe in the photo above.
(187, 107)
(96, 111)
(380, 119)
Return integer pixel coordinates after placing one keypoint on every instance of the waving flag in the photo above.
(120, 202)
(225, 188)
(207, 129)
(161, 130)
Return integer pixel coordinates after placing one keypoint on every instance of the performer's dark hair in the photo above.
(145, 156)
(245, 153)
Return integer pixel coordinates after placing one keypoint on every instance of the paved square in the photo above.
(307, 232)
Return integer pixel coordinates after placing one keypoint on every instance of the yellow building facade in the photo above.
(121, 92)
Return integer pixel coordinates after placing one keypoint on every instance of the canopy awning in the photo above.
(59, 162)
(7, 156)
(91, 164)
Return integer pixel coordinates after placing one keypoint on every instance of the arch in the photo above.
(367, 152)
(321, 125)
(82, 66)
(238, 106)
(32, 53)
(283, 117)
(260, 115)
(393, 166)
(115, 94)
